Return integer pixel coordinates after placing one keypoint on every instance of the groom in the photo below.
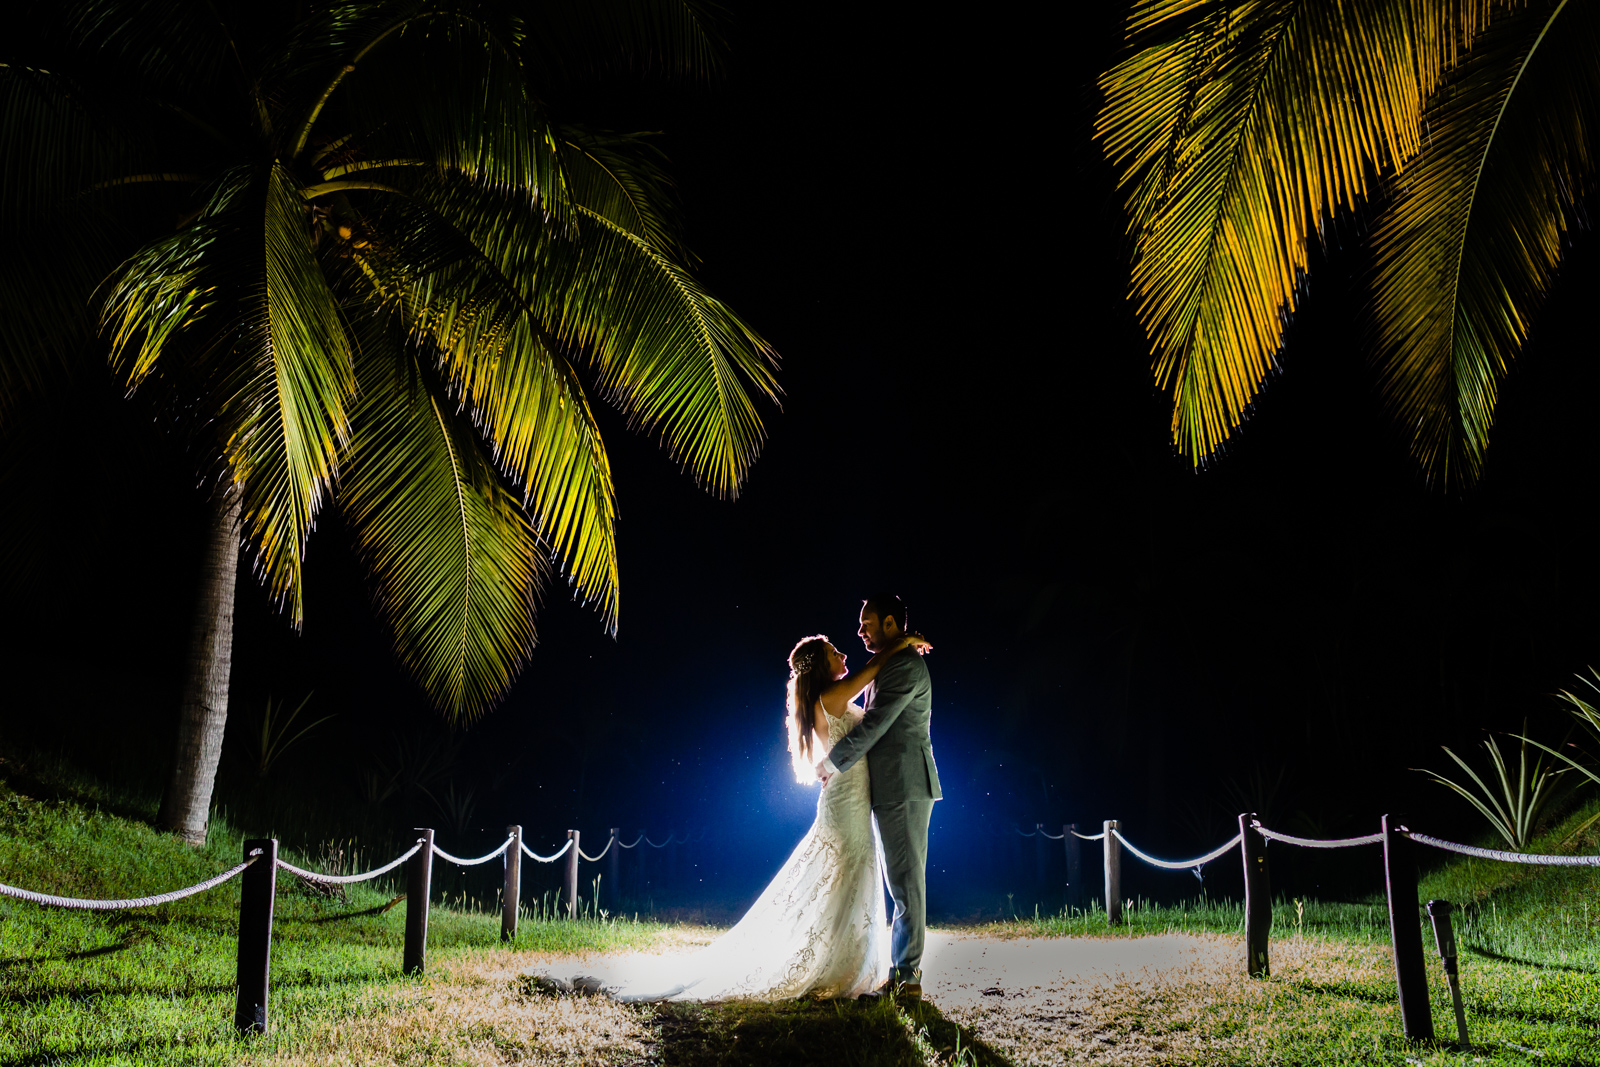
(893, 736)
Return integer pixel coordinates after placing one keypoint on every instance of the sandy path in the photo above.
(1055, 1000)
(1069, 1000)
(1062, 1000)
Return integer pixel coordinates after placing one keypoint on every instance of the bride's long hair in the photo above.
(808, 677)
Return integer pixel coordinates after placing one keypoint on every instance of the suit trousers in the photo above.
(903, 829)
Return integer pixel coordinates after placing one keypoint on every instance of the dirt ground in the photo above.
(1038, 1001)
(1054, 1000)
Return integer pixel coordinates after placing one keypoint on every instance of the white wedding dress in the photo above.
(817, 930)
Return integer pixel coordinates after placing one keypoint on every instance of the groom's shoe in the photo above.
(908, 991)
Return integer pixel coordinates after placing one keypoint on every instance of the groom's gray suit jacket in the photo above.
(893, 734)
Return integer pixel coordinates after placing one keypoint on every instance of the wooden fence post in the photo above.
(257, 889)
(1069, 841)
(511, 894)
(1257, 898)
(614, 894)
(1405, 929)
(419, 886)
(1113, 855)
(571, 881)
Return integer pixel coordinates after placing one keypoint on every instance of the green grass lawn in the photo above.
(1530, 969)
(155, 986)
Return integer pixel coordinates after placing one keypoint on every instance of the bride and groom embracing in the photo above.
(819, 928)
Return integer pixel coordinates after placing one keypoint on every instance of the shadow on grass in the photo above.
(952, 1039)
(120, 989)
(1475, 1006)
(1531, 1015)
(868, 1033)
(342, 916)
(1348, 990)
(86, 954)
(1486, 954)
(132, 1051)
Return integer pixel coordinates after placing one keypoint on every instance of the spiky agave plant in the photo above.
(1241, 130)
(1512, 806)
(363, 262)
(275, 737)
(1586, 717)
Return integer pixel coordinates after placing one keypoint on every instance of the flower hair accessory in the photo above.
(803, 662)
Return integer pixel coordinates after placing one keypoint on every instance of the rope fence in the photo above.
(259, 887)
(1179, 865)
(1316, 842)
(347, 879)
(134, 902)
(1400, 889)
(596, 859)
(557, 854)
(442, 854)
(1529, 858)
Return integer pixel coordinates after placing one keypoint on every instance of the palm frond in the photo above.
(57, 141)
(474, 115)
(457, 563)
(1471, 245)
(290, 418)
(522, 392)
(54, 145)
(161, 291)
(158, 44)
(670, 356)
(619, 177)
(583, 37)
(1234, 129)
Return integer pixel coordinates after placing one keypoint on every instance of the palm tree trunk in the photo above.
(186, 806)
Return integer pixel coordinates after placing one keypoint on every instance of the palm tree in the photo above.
(1241, 130)
(361, 261)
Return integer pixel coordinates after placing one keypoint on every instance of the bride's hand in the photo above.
(918, 642)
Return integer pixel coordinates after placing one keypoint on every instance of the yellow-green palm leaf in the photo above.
(1471, 244)
(493, 348)
(1235, 129)
(293, 177)
(456, 560)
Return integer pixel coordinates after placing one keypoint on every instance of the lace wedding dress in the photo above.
(817, 930)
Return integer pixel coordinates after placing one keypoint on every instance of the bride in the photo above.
(819, 928)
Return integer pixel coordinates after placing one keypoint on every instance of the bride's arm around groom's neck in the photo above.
(899, 680)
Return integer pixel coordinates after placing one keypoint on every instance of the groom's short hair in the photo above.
(887, 606)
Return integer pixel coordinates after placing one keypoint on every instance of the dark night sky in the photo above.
(914, 214)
